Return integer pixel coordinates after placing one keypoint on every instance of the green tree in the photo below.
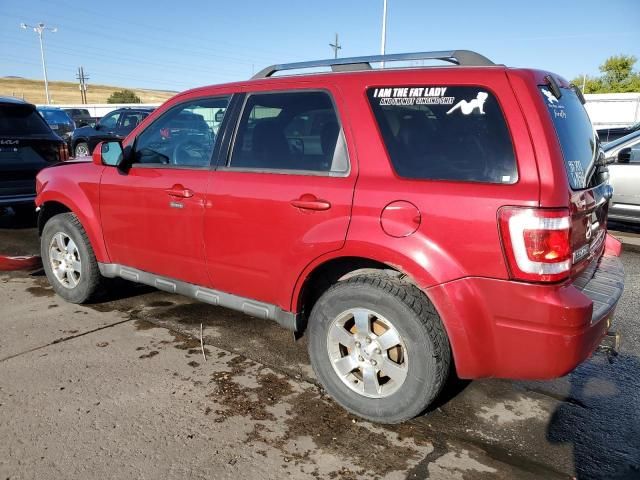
(617, 76)
(123, 96)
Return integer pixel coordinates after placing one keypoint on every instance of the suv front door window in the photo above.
(152, 213)
(110, 121)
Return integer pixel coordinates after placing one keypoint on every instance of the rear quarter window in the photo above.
(455, 133)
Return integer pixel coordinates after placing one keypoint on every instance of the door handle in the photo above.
(179, 191)
(310, 202)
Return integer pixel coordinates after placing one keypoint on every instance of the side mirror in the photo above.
(219, 116)
(108, 153)
(97, 126)
(624, 155)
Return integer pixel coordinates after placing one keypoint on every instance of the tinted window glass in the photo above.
(578, 140)
(130, 120)
(444, 133)
(290, 131)
(21, 120)
(55, 116)
(183, 136)
(110, 120)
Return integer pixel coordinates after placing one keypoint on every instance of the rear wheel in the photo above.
(68, 259)
(81, 150)
(378, 347)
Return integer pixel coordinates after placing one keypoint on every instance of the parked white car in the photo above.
(623, 157)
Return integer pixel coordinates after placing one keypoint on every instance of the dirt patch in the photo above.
(39, 291)
(161, 303)
(371, 449)
(144, 325)
(152, 353)
(247, 402)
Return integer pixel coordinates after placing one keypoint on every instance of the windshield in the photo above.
(21, 120)
(578, 139)
(55, 116)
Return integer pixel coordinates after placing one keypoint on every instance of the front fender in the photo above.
(76, 187)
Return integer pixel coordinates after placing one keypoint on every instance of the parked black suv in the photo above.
(59, 121)
(81, 117)
(113, 126)
(27, 145)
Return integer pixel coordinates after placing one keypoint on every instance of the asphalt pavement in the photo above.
(120, 389)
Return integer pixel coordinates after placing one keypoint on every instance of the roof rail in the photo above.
(457, 57)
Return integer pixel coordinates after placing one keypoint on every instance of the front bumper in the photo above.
(507, 329)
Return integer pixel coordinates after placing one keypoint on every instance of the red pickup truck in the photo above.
(411, 221)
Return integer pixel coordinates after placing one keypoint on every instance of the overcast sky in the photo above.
(178, 45)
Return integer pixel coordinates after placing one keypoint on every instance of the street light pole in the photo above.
(383, 42)
(39, 29)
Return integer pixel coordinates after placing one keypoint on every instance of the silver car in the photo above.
(623, 158)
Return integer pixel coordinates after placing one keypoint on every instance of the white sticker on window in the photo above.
(404, 96)
(551, 98)
(555, 107)
(577, 172)
(467, 108)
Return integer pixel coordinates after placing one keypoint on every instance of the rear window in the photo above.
(578, 139)
(55, 116)
(445, 133)
(21, 120)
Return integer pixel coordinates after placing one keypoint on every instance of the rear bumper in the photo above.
(506, 329)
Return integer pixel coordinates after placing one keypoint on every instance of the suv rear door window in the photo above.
(296, 131)
(578, 140)
(445, 133)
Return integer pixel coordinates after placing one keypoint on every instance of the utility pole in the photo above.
(383, 41)
(336, 46)
(40, 29)
(82, 78)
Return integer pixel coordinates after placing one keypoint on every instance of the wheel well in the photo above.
(327, 274)
(49, 210)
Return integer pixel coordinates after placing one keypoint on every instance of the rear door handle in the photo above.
(310, 202)
(179, 191)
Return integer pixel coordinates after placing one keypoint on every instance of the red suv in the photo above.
(413, 221)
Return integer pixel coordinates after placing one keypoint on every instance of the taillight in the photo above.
(536, 242)
(63, 152)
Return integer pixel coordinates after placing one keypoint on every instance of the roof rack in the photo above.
(458, 57)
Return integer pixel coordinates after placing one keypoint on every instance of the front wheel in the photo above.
(379, 347)
(81, 150)
(68, 259)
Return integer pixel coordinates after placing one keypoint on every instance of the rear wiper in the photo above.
(553, 86)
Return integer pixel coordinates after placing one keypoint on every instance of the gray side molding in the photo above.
(251, 307)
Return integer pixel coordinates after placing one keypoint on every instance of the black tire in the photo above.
(90, 281)
(420, 328)
(81, 149)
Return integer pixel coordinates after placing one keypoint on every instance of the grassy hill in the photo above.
(69, 92)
